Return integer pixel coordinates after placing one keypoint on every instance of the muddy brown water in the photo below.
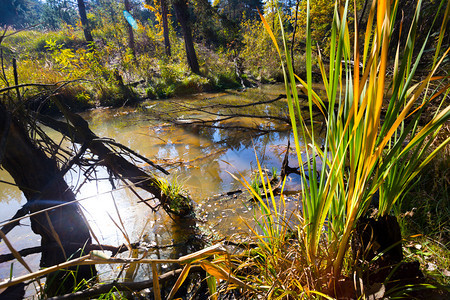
(199, 158)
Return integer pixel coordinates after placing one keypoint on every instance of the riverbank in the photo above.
(106, 74)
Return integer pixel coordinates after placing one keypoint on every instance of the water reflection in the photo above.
(200, 157)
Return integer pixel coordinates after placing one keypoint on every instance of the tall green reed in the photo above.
(365, 150)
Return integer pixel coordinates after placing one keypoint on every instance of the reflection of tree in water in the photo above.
(207, 145)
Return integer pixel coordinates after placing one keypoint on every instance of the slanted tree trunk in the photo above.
(182, 12)
(130, 30)
(81, 133)
(42, 183)
(165, 23)
(84, 21)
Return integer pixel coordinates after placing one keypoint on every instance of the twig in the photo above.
(19, 30)
(23, 211)
(26, 85)
(4, 34)
(67, 166)
(39, 84)
(16, 78)
(5, 79)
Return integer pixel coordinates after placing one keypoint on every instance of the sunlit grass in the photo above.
(54, 56)
(366, 150)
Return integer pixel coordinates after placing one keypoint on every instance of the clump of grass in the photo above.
(278, 266)
(427, 203)
(32, 42)
(425, 211)
(175, 197)
(365, 151)
(255, 183)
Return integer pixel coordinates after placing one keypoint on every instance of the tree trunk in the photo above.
(43, 185)
(181, 10)
(165, 27)
(293, 35)
(361, 16)
(84, 21)
(81, 133)
(130, 30)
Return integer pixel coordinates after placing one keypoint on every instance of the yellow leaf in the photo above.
(180, 280)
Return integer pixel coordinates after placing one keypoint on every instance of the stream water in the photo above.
(200, 158)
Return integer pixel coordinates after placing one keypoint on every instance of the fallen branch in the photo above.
(281, 96)
(98, 259)
(124, 286)
(86, 248)
(286, 120)
(205, 124)
(45, 85)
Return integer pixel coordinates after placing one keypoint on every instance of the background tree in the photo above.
(164, 13)
(182, 12)
(237, 9)
(20, 13)
(56, 12)
(130, 29)
(84, 21)
(210, 27)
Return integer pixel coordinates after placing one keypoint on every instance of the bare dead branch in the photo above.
(281, 96)
(124, 286)
(286, 120)
(87, 248)
(27, 85)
